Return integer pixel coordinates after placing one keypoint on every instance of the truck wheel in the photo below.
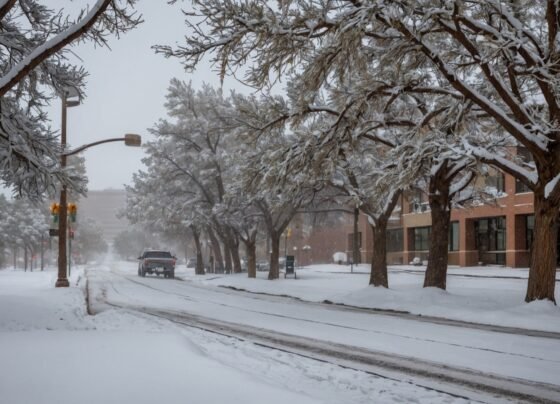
(172, 274)
(143, 273)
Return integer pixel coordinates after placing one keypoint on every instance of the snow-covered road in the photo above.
(512, 356)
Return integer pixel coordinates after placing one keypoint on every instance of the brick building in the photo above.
(490, 234)
(313, 241)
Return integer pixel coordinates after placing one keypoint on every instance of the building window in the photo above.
(497, 181)
(524, 157)
(395, 241)
(520, 187)
(490, 240)
(418, 202)
(422, 238)
(454, 236)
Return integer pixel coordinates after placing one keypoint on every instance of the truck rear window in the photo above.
(157, 254)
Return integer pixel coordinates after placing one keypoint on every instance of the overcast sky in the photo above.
(126, 91)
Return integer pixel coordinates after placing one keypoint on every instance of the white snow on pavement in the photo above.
(51, 351)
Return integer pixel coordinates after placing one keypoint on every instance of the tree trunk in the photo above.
(233, 247)
(186, 249)
(356, 256)
(218, 259)
(274, 272)
(378, 275)
(25, 257)
(227, 257)
(436, 272)
(199, 268)
(542, 273)
(251, 251)
(236, 260)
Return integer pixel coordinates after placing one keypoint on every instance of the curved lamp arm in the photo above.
(130, 139)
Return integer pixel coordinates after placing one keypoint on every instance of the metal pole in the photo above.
(42, 252)
(69, 251)
(62, 280)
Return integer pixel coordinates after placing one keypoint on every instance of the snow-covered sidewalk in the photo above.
(52, 352)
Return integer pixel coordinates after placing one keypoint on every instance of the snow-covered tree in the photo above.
(275, 189)
(35, 40)
(191, 156)
(129, 243)
(161, 206)
(25, 226)
(89, 241)
(501, 56)
(200, 143)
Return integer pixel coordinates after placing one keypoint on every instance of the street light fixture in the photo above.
(129, 140)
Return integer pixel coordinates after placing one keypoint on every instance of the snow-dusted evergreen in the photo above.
(36, 71)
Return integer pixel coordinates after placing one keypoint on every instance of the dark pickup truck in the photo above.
(157, 262)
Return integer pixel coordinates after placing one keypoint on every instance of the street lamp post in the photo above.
(62, 280)
(129, 140)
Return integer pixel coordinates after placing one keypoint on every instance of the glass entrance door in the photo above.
(491, 240)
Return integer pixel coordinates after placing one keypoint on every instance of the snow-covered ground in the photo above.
(51, 351)
(490, 295)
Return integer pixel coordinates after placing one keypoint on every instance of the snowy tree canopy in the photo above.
(502, 57)
(36, 70)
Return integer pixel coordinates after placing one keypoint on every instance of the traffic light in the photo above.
(55, 210)
(72, 210)
(289, 234)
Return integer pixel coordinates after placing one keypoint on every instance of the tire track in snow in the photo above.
(457, 382)
(374, 362)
